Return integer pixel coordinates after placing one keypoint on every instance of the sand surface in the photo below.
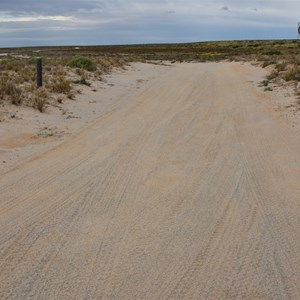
(168, 182)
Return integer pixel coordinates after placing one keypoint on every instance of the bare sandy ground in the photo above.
(172, 182)
(26, 133)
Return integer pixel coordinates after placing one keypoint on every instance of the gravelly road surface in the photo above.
(186, 189)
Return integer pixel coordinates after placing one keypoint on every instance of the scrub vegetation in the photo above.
(64, 68)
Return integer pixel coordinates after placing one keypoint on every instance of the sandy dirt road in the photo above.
(187, 189)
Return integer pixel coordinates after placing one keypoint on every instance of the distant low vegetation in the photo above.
(65, 68)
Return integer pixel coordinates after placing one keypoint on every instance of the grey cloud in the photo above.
(50, 7)
(140, 21)
(226, 8)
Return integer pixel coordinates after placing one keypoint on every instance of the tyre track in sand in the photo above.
(186, 190)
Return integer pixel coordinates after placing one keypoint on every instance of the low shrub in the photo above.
(272, 52)
(268, 89)
(268, 63)
(265, 83)
(82, 62)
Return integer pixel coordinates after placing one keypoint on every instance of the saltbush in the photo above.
(82, 62)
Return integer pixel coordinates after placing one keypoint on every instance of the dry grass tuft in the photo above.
(40, 98)
(59, 84)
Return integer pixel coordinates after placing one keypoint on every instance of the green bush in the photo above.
(82, 62)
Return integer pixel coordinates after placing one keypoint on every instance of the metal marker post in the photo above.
(39, 73)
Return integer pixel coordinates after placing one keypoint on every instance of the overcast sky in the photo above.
(99, 22)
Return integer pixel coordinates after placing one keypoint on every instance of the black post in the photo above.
(39, 73)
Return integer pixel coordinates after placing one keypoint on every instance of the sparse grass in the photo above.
(5, 85)
(10, 91)
(18, 81)
(60, 84)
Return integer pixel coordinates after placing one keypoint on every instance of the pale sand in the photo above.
(30, 133)
(178, 182)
